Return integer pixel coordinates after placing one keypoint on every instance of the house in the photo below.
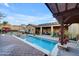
(45, 29)
(30, 28)
(11, 27)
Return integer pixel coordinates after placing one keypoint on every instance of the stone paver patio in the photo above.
(10, 46)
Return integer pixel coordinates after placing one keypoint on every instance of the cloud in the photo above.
(6, 4)
(31, 19)
(26, 19)
(10, 17)
(16, 18)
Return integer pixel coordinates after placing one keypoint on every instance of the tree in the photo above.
(5, 22)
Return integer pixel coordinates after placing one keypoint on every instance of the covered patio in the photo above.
(65, 13)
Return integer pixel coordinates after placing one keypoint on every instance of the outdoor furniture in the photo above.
(63, 47)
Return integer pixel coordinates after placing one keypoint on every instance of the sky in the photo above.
(26, 13)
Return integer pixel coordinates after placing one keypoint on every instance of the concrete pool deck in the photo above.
(73, 50)
(11, 46)
(48, 37)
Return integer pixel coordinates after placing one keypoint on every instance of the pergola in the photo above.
(65, 13)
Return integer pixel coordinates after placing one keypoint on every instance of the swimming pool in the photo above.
(42, 44)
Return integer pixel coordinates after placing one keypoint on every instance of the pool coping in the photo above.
(44, 38)
(53, 52)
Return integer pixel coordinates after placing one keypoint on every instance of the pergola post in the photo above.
(51, 29)
(40, 30)
(62, 32)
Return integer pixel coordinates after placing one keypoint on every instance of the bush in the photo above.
(54, 34)
(74, 39)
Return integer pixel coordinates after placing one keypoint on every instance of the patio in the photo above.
(10, 46)
(66, 14)
(73, 50)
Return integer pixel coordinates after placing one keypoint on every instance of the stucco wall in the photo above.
(74, 29)
(30, 29)
(12, 27)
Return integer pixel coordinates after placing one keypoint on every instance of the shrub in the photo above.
(54, 34)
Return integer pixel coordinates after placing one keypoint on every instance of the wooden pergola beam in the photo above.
(49, 8)
(57, 7)
(71, 16)
(66, 15)
(76, 5)
(75, 10)
(66, 7)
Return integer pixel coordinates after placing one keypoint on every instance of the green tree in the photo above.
(5, 22)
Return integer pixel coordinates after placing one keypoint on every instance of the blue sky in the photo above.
(26, 13)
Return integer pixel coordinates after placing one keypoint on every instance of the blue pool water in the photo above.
(42, 42)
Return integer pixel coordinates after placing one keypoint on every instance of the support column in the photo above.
(51, 29)
(62, 32)
(40, 30)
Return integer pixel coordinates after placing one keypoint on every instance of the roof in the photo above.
(66, 12)
(44, 25)
(32, 25)
(48, 24)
